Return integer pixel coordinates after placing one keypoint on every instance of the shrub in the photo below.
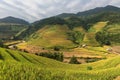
(76, 37)
(57, 48)
(56, 55)
(103, 38)
(74, 60)
(89, 68)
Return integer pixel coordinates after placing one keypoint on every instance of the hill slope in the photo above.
(29, 66)
(10, 26)
(50, 36)
(14, 20)
(96, 21)
(89, 38)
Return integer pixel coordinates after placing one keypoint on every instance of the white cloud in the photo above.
(32, 10)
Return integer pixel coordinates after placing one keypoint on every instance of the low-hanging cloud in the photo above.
(32, 10)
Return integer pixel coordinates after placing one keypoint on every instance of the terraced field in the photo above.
(89, 38)
(15, 65)
(51, 35)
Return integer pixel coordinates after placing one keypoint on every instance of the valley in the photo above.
(78, 46)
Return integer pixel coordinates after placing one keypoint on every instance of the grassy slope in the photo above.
(79, 28)
(50, 36)
(8, 30)
(53, 35)
(17, 65)
(114, 29)
(89, 38)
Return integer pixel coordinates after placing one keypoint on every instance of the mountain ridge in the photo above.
(90, 11)
(10, 19)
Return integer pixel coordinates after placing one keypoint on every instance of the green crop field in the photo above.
(89, 38)
(50, 36)
(16, 65)
(56, 35)
(114, 31)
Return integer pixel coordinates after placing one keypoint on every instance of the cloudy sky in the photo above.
(32, 10)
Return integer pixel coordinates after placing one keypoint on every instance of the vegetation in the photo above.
(14, 20)
(76, 37)
(95, 27)
(74, 60)
(103, 38)
(89, 68)
(92, 22)
(109, 35)
(57, 48)
(29, 66)
(56, 55)
(51, 36)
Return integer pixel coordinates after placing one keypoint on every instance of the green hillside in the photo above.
(50, 36)
(14, 20)
(10, 26)
(17, 65)
(114, 33)
(9, 30)
(96, 26)
(62, 35)
(89, 38)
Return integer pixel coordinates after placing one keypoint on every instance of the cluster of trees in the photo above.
(115, 37)
(106, 38)
(58, 56)
(55, 55)
(103, 38)
(76, 36)
(74, 22)
(74, 60)
(57, 48)
(1, 43)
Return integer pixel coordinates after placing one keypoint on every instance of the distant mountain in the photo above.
(11, 19)
(97, 10)
(10, 26)
(94, 11)
(64, 15)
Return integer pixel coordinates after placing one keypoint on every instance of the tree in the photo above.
(76, 36)
(1, 43)
(74, 60)
(57, 48)
(55, 55)
(103, 38)
(89, 68)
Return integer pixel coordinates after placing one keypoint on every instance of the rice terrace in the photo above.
(60, 40)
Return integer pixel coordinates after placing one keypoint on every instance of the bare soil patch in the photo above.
(116, 49)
